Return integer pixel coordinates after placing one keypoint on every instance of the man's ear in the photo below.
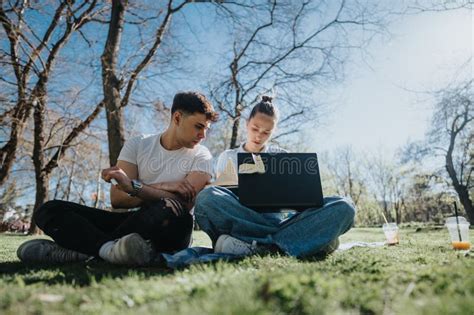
(176, 118)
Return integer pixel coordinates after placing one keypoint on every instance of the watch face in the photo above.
(136, 184)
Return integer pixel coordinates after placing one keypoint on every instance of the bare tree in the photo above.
(288, 47)
(452, 136)
(32, 57)
(118, 84)
(8, 197)
(80, 167)
(344, 167)
(397, 192)
(382, 174)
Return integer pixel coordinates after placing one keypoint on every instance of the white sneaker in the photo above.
(130, 249)
(230, 245)
(46, 251)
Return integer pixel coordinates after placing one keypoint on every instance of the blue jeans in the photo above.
(301, 234)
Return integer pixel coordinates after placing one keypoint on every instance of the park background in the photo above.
(381, 90)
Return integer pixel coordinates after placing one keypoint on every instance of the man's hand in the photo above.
(124, 183)
(182, 187)
(175, 206)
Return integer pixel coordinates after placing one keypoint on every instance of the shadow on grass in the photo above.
(79, 274)
(87, 273)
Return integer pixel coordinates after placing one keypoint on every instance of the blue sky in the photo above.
(381, 103)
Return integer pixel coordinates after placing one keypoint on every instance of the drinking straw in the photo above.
(384, 218)
(457, 220)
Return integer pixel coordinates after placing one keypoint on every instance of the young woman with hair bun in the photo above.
(238, 230)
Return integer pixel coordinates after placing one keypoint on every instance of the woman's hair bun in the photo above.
(265, 106)
(266, 98)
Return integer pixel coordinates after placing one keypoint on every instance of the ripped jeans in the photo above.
(85, 229)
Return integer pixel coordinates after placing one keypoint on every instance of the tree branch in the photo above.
(151, 53)
(53, 162)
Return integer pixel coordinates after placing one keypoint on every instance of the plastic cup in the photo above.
(459, 236)
(391, 233)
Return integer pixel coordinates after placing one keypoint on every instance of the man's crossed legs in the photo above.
(128, 238)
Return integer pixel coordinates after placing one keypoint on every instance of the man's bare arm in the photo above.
(184, 191)
(198, 180)
(119, 197)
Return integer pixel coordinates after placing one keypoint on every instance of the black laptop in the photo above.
(290, 180)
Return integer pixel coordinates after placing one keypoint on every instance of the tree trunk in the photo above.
(8, 152)
(22, 110)
(99, 183)
(110, 83)
(42, 178)
(58, 184)
(115, 129)
(460, 189)
(42, 190)
(466, 202)
(235, 132)
(71, 176)
(398, 215)
(385, 210)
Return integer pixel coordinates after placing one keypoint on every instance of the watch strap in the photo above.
(137, 186)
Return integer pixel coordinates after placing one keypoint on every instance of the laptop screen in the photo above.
(288, 180)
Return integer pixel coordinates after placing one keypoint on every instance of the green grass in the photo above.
(422, 275)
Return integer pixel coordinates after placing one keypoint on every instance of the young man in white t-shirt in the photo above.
(161, 174)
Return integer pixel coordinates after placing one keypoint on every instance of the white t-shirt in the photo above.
(232, 155)
(157, 165)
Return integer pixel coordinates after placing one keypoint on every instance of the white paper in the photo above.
(257, 167)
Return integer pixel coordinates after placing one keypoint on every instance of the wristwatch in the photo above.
(137, 186)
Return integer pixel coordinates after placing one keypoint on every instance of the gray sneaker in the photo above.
(130, 249)
(230, 245)
(46, 251)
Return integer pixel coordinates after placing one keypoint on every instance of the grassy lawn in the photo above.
(422, 275)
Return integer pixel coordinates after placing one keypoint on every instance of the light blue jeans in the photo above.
(301, 234)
